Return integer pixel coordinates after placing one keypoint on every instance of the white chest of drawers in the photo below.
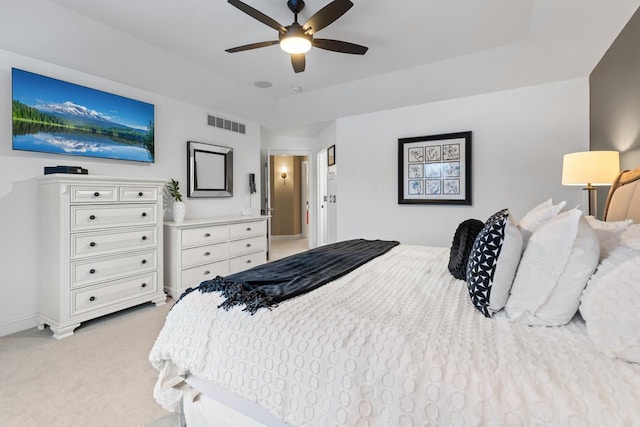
(100, 247)
(200, 249)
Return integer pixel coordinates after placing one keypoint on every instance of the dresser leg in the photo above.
(160, 301)
(67, 331)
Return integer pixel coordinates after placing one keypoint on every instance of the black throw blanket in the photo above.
(269, 284)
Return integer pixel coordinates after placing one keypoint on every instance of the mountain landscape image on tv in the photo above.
(58, 117)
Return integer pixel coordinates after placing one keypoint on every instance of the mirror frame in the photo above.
(198, 150)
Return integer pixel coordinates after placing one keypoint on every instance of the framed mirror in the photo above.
(209, 170)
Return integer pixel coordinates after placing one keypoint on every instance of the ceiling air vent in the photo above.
(226, 124)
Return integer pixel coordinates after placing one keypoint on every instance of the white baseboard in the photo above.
(12, 326)
(287, 237)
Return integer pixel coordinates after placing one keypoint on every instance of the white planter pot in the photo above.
(178, 210)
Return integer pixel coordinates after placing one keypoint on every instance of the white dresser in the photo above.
(200, 249)
(100, 247)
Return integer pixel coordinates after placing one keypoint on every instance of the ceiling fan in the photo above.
(297, 39)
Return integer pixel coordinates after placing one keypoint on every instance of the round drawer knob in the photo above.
(92, 244)
(144, 237)
(207, 253)
(92, 271)
(144, 214)
(248, 228)
(248, 245)
(96, 194)
(248, 261)
(207, 235)
(92, 298)
(144, 261)
(206, 273)
(92, 217)
(144, 285)
(140, 194)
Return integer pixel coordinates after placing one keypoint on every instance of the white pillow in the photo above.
(559, 259)
(610, 308)
(631, 236)
(609, 234)
(536, 217)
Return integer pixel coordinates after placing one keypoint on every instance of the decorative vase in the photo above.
(178, 210)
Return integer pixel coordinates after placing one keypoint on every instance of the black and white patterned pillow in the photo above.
(493, 262)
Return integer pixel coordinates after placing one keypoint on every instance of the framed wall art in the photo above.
(331, 155)
(435, 169)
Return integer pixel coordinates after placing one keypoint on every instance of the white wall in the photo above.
(519, 138)
(175, 123)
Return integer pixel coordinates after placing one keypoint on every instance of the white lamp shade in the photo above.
(295, 44)
(590, 167)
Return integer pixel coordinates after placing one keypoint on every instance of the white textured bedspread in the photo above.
(396, 343)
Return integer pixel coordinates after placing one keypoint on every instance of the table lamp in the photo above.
(590, 169)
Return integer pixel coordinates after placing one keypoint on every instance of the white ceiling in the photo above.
(399, 34)
(419, 50)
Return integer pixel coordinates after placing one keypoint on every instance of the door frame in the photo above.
(311, 187)
(322, 199)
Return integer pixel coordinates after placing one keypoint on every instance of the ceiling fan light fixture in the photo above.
(295, 44)
(297, 39)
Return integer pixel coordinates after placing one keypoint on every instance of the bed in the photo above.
(400, 342)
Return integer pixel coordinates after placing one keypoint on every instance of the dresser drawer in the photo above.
(112, 293)
(89, 244)
(245, 246)
(204, 235)
(192, 277)
(91, 217)
(247, 229)
(86, 194)
(204, 254)
(138, 194)
(247, 261)
(97, 270)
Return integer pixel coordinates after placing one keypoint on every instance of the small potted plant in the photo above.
(178, 208)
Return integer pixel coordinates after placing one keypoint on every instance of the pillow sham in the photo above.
(559, 259)
(536, 217)
(493, 262)
(609, 234)
(463, 240)
(610, 309)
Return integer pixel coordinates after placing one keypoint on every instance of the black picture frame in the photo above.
(435, 169)
(331, 155)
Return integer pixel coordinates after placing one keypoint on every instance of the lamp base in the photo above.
(590, 195)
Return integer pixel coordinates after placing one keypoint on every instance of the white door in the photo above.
(265, 187)
(323, 198)
(332, 206)
(304, 189)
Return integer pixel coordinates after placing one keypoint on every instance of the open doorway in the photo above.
(289, 203)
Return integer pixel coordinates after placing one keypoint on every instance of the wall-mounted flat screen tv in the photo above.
(53, 116)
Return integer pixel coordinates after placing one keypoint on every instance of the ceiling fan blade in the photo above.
(327, 15)
(251, 46)
(256, 14)
(298, 61)
(340, 46)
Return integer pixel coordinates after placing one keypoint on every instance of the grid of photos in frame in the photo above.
(434, 170)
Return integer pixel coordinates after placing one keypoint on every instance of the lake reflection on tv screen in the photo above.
(62, 143)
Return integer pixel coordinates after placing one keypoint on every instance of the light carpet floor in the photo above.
(100, 376)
